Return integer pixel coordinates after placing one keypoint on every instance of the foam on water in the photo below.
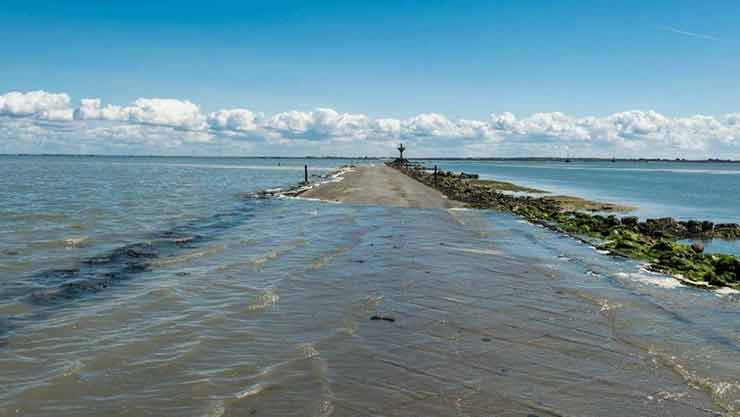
(76, 242)
(650, 278)
(265, 300)
(251, 391)
(726, 291)
(490, 252)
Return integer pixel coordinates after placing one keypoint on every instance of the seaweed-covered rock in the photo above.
(468, 176)
(627, 243)
(630, 221)
(693, 227)
(666, 227)
(697, 247)
(654, 240)
(727, 230)
(613, 221)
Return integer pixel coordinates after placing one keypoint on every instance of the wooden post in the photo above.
(305, 174)
(435, 175)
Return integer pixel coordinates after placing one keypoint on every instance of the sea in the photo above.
(168, 286)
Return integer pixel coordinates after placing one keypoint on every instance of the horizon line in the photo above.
(365, 157)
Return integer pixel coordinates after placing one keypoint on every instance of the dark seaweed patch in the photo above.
(5, 328)
(102, 271)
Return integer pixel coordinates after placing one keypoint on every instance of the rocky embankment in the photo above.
(652, 240)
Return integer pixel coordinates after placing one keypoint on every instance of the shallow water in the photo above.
(684, 190)
(188, 298)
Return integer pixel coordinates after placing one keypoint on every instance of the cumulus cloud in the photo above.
(428, 124)
(386, 127)
(166, 112)
(152, 111)
(39, 104)
(542, 126)
(241, 120)
(44, 121)
(318, 124)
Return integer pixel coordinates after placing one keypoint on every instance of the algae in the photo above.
(505, 186)
(653, 240)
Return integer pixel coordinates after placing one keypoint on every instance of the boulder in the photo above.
(666, 227)
(727, 230)
(613, 221)
(630, 221)
(697, 247)
(693, 227)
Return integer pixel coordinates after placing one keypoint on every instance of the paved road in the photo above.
(381, 185)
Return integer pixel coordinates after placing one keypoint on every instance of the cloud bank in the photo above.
(44, 122)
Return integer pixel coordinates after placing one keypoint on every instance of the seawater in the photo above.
(159, 286)
(685, 190)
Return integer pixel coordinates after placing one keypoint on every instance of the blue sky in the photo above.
(382, 59)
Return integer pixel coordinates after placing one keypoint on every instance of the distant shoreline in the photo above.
(382, 158)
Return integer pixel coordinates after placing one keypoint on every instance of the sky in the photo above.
(464, 78)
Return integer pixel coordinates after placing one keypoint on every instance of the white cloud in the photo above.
(386, 127)
(89, 109)
(439, 127)
(541, 126)
(318, 124)
(45, 121)
(166, 112)
(240, 120)
(40, 104)
(152, 111)
(732, 119)
(637, 123)
(428, 124)
(329, 122)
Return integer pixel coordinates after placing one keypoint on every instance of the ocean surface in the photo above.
(684, 190)
(162, 287)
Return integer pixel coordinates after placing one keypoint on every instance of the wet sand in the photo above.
(381, 185)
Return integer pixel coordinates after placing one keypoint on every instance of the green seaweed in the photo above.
(653, 241)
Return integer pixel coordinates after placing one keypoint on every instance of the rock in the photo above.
(627, 243)
(663, 246)
(697, 247)
(693, 227)
(630, 221)
(727, 230)
(613, 221)
(468, 176)
(666, 227)
(707, 226)
(713, 279)
(384, 318)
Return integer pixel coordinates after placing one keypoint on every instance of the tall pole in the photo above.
(305, 174)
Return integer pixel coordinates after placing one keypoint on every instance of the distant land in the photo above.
(380, 158)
